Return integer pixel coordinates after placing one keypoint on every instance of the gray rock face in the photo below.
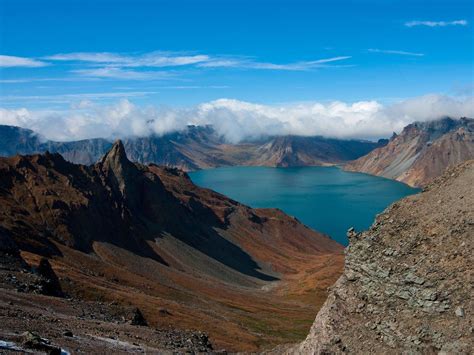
(407, 283)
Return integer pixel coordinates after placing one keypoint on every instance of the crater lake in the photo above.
(327, 199)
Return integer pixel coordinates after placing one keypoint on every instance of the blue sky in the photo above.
(63, 55)
(264, 47)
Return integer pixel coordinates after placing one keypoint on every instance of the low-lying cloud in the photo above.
(238, 120)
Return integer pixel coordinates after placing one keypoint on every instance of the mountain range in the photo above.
(117, 234)
(421, 152)
(197, 147)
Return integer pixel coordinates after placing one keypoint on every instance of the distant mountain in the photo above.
(288, 151)
(130, 234)
(16, 140)
(421, 152)
(195, 148)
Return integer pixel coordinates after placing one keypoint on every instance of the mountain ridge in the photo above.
(196, 147)
(421, 152)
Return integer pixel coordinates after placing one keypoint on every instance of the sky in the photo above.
(340, 68)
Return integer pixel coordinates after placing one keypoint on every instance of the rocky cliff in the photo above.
(407, 281)
(421, 152)
(125, 234)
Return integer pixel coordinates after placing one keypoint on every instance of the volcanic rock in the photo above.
(33, 341)
(415, 298)
(137, 318)
(49, 281)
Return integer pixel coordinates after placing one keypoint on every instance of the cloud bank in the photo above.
(238, 120)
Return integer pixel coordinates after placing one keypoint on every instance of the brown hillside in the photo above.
(128, 235)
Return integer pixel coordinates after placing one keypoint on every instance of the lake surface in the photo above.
(326, 199)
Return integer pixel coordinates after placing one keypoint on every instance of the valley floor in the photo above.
(101, 300)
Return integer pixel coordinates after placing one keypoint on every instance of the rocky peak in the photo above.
(116, 168)
(116, 157)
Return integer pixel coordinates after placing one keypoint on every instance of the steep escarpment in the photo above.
(196, 147)
(129, 235)
(407, 282)
(421, 152)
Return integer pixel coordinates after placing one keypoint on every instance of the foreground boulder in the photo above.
(407, 283)
(33, 341)
(138, 318)
(49, 283)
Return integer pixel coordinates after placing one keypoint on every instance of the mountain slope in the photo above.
(16, 140)
(421, 152)
(197, 147)
(309, 151)
(146, 236)
(407, 282)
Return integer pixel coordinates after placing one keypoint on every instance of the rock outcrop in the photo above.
(407, 282)
(421, 152)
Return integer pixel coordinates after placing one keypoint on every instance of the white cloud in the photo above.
(122, 74)
(237, 120)
(153, 59)
(7, 61)
(390, 51)
(102, 57)
(436, 23)
(170, 59)
(251, 64)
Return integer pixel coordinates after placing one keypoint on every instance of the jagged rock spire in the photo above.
(117, 168)
(116, 155)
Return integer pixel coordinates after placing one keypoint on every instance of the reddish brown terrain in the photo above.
(407, 281)
(83, 246)
(421, 152)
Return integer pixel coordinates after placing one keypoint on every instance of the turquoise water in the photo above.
(326, 199)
